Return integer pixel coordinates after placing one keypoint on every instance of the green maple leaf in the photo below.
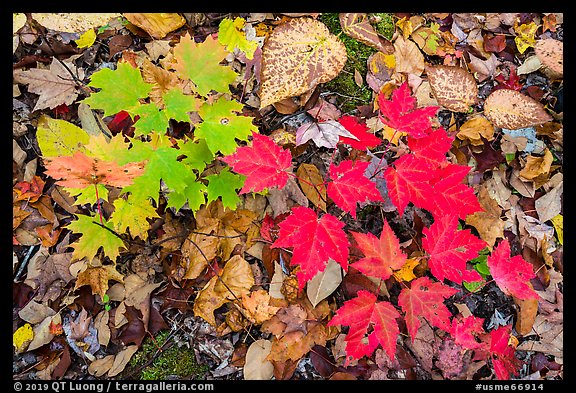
(230, 34)
(121, 89)
(177, 104)
(221, 126)
(194, 194)
(201, 64)
(88, 195)
(224, 185)
(93, 237)
(151, 119)
(197, 154)
(129, 213)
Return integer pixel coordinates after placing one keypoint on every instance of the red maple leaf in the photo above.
(425, 299)
(408, 181)
(381, 256)
(80, 171)
(513, 81)
(466, 330)
(511, 274)
(432, 147)
(451, 195)
(359, 130)
(315, 240)
(349, 186)
(264, 164)
(450, 249)
(400, 113)
(502, 354)
(371, 323)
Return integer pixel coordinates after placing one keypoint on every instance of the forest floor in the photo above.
(149, 307)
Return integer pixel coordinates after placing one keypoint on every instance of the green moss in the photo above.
(350, 95)
(384, 24)
(177, 361)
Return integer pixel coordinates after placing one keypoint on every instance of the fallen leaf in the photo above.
(526, 315)
(312, 184)
(454, 87)
(475, 130)
(54, 86)
(409, 59)
(487, 222)
(22, 337)
(42, 332)
(537, 167)
(257, 308)
(256, 366)
(121, 360)
(324, 283)
(35, 312)
(158, 25)
(550, 52)
(323, 134)
(510, 109)
(99, 367)
(549, 205)
(357, 26)
(97, 278)
(297, 56)
(525, 36)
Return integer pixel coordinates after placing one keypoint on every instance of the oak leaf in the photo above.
(314, 241)
(264, 164)
(371, 323)
(296, 57)
(425, 299)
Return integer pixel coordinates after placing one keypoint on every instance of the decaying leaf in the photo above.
(358, 27)
(409, 58)
(510, 109)
(324, 282)
(121, 360)
(257, 306)
(73, 22)
(97, 278)
(257, 367)
(476, 128)
(550, 52)
(454, 87)
(296, 57)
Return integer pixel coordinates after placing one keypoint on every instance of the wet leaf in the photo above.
(296, 57)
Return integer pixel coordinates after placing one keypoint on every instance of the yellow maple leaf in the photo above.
(22, 337)
(525, 36)
(231, 34)
(87, 39)
(406, 272)
(98, 277)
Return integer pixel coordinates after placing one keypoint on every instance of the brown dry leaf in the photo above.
(138, 292)
(121, 360)
(256, 366)
(476, 128)
(54, 86)
(483, 69)
(551, 55)
(48, 274)
(296, 57)
(97, 278)
(42, 332)
(380, 70)
(34, 312)
(549, 205)
(160, 79)
(282, 200)
(527, 311)
(312, 184)
(409, 59)
(525, 188)
(213, 237)
(257, 308)
(512, 110)
(357, 26)
(549, 327)
(99, 367)
(101, 326)
(235, 280)
(158, 25)
(294, 318)
(454, 87)
(324, 282)
(80, 327)
(537, 168)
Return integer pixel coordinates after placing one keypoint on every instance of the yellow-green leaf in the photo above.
(231, 35)
(60, 138)
(133, 216)
(94, 236)
(87, 39)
